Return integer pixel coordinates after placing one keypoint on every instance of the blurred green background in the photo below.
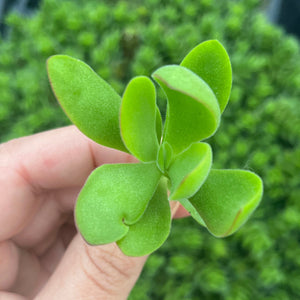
(260, 128)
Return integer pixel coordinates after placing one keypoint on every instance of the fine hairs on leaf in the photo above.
(129, 203)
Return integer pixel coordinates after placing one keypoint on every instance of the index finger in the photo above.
(57, 158)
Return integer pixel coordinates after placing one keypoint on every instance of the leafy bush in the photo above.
(260, 129)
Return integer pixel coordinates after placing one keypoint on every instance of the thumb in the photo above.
(94, 272)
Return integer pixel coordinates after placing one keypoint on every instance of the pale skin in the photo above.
(41, 254)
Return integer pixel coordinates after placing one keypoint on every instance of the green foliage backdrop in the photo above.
(260, 129)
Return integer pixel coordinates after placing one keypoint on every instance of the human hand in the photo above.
(41, 254)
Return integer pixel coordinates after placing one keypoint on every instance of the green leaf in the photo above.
(90, 102)
(226, 200)
(192, 210)
(150, 232)
(158, 124)
(210, 61)
(189, 170)
(114, 197)
(193, 111)
(138, 119)
(164, 157)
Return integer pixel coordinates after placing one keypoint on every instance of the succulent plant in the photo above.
(129, 203)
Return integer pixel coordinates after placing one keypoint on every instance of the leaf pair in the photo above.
(105, 213)
(128, 203)
(198, 91)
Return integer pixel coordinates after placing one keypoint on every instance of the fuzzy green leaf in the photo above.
(193, 111)
(189, 170)
(192, 210)
(150, 232)
(210, 61)
(138, 119)
(226, 200)
(114, 197)
(159, 125)
(164, 157)
(89, 102)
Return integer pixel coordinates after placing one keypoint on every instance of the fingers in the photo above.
(20, 271)
(181, 212)
(57, 158)
(10, 296)
(47, 220)
(30, 167)
(30, 276)
(56, 208)
(51, 258)
(18, 203)
(23, 272)
(9, 266)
